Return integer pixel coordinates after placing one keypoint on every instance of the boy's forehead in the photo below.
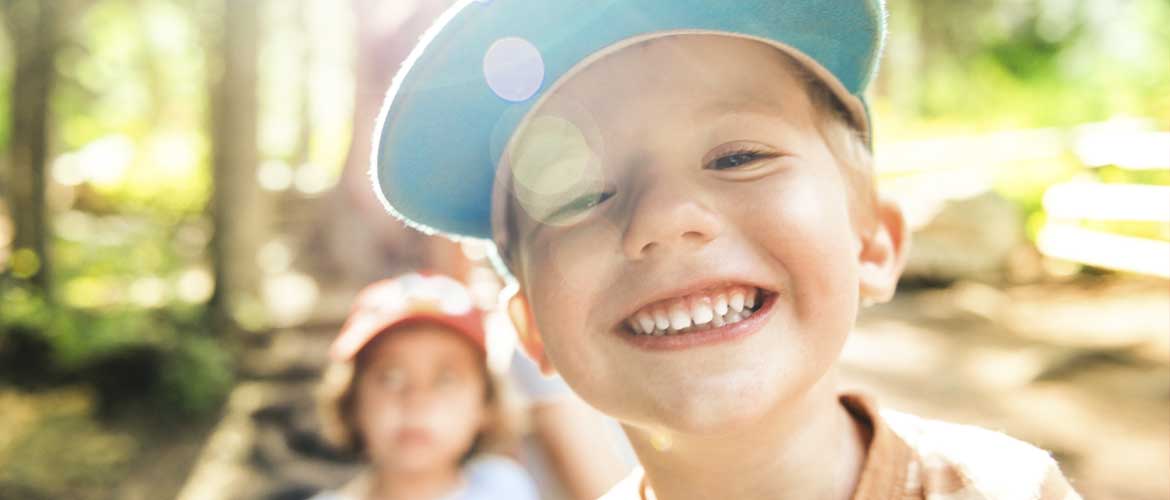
(712, 71)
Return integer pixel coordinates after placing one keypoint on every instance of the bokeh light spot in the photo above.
(195, 286)
(513, 69)
(553, 166)
(25, 263)
(274, 175)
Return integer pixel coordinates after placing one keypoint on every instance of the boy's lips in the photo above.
(687, 310)
(744, 323)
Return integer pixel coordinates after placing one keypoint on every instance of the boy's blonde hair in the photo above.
(337, 399)
(845, 140)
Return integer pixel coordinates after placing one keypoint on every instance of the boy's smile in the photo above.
(698, 316)
(700, 266)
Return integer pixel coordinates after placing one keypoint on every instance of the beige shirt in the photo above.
(916, 458)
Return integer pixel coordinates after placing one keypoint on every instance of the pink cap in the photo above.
(407, 298)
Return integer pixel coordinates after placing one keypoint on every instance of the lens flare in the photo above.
(513, 69)
(553, 166)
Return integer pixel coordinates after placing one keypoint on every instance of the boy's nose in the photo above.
(667, 217)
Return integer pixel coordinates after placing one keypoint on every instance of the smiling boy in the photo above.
(685, 196)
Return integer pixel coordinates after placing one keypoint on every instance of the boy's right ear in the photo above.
(520, 311)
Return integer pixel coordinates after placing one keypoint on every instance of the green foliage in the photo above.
(130, 108)
(6, 70)
(1045, 63)
(195, 371)
(1138, 229)
(1118, 175)
(999, 65)
(5, 108)
(1025, 183)
(196, 379)
(130, 130)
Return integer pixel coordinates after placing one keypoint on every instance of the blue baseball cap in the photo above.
(469, 84)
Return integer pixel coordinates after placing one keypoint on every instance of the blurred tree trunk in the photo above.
(357, 241)
(238, 206)
(301, 155)
(33, 28)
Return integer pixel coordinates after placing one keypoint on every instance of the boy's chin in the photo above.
(718, 405)
(710, 411)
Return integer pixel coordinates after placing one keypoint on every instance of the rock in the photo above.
(969, 239)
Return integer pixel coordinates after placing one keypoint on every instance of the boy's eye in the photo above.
(738, 159)
(579, 205)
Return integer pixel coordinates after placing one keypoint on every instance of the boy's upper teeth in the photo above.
(721, 304)
(680, 315)
(716, 307)
(661, 321)
(736, 300)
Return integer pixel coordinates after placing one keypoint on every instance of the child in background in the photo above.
(684, 192)
(409, 388)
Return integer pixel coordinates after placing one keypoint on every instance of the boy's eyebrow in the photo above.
(747, 116)
(748, 107)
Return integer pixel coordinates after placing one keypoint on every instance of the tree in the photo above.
(238, 208)
(34, 32)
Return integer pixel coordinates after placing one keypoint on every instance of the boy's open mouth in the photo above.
(697, 312)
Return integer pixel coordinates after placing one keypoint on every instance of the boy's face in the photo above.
(666, 179)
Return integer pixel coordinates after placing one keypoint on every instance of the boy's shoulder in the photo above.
(915, 457)
(973, 462)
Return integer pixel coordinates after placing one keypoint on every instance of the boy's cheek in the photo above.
(567, 259)
(812, 238)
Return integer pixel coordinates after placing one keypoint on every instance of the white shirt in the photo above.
(489, 477)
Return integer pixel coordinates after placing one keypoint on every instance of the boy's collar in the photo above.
(887, 457)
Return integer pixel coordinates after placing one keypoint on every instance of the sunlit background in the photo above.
(185, 216)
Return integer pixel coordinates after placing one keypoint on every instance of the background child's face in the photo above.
(690, 164)
(420, 398)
